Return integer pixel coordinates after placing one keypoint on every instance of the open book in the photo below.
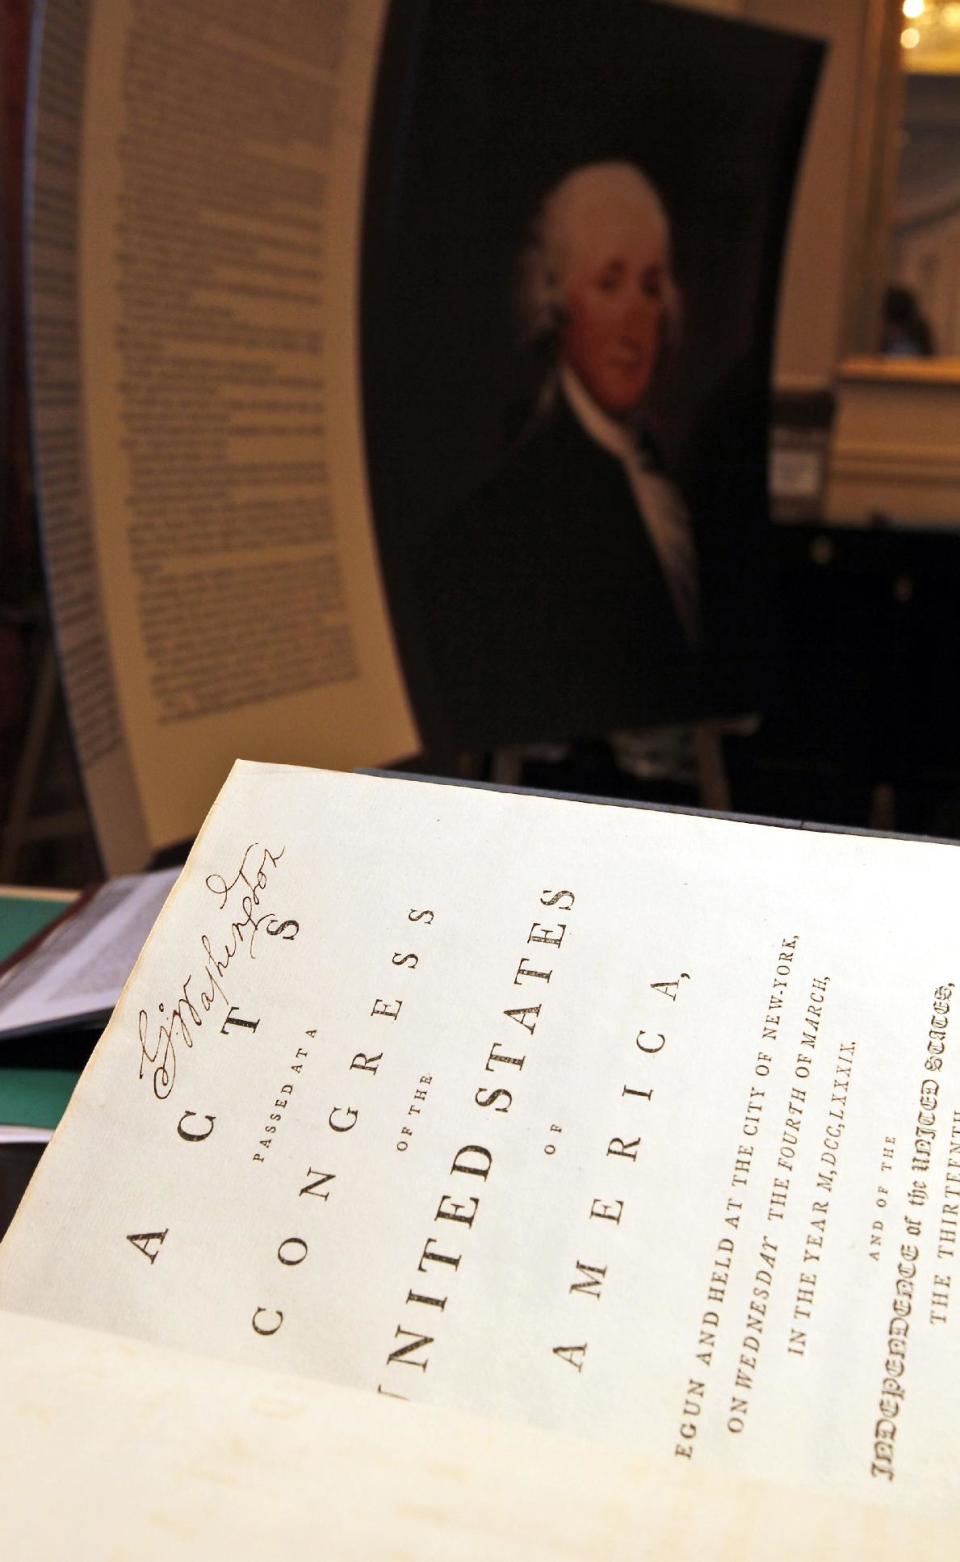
(72, 973)
(638, 1127)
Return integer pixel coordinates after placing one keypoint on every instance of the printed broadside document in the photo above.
(637, 1126)
(196, 196)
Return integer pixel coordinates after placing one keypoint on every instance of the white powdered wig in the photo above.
(562, 228)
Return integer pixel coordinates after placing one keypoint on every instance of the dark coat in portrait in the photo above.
(544, 604)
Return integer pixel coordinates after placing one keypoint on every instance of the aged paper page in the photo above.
(59, 426)
(637, 1125)
(202, 1459)
(215, 517)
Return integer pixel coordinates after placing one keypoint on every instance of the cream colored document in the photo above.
(195, 1458)
(640, 1126)
(197, 178)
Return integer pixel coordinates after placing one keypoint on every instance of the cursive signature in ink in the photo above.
(249, 923)
(203, 992)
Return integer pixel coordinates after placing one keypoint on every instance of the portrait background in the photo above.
(481, 109)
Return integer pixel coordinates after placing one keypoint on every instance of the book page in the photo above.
(209, 1459)
(641, 1126)
(80, 967)
(58, 86)
(215, 575)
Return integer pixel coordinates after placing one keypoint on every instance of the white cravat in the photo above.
(658, 502)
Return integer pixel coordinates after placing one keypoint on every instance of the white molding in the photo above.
(895, 449)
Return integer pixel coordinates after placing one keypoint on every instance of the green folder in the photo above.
(35, 1097)
(23, 915)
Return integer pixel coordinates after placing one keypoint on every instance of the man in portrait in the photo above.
(563, 597)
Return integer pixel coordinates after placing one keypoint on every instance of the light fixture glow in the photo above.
(909, 38)
(913, 8)
(951, 17)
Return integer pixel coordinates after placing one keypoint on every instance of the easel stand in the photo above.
(25, 824)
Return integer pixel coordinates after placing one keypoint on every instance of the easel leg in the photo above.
(712, 776)
(31, 758)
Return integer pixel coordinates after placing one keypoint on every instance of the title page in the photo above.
(640, 1125)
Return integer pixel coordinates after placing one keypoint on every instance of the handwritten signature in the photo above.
(204, 992)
